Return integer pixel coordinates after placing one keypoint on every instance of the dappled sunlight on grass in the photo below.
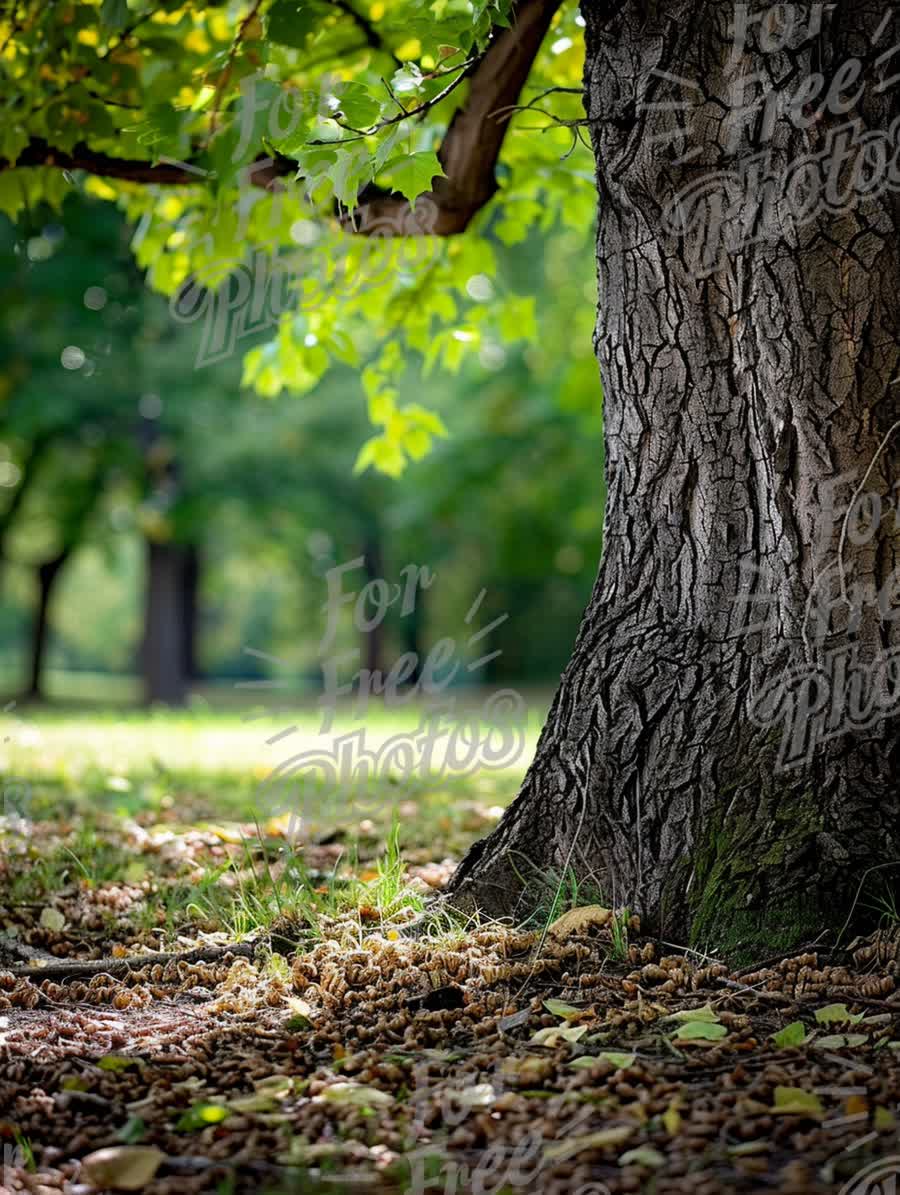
(150, 826)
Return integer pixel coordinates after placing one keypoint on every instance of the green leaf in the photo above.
(518, 320)
(617, 1058)
(791, 1035)
(13, 139)
(291, 22)
(117, 1062)
(700, 1031)
(706, 1013)
(359, 106)
(411, 174)
(383, 405)
(884, 1119)
(559, 1008)
(407, 80)
(793, 1101)
(12, 193)
(839, 1041)
(200, 1116)
(837, 1014)
(302, 1017)
(429, 420)
(352, 168)
(115, 14)
(132, 1131)
(384, 454)
(387, 147)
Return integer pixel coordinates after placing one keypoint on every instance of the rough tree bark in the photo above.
(747, 398)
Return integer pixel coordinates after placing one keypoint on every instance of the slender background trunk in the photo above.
(373, 639)
(47, 574)
(163, 658)
(190, 616)
(75, 509)
(737, 388)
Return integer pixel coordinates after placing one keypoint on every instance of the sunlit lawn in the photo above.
(207, 821)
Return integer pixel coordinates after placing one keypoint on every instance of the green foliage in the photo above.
(355, 95)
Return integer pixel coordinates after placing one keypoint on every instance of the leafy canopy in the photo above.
(245, 140)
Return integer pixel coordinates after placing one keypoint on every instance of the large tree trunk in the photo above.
(691, 764)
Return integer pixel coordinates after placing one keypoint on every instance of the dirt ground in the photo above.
(578, 1057)
(334, 1031)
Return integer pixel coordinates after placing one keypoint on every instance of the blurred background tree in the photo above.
(157, 520)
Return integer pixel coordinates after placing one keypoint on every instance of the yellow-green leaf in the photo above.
(791, 1035)
(794, 1101)
(559, 1008)
(700, 1031)
(200, 1116)
(839, 1041)
(837, 1014)
(117, 1062)
(706, 1013)
(644, 1155)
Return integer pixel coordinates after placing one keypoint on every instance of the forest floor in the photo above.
(354, 1041)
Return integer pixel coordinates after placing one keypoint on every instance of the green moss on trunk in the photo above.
(756, 888)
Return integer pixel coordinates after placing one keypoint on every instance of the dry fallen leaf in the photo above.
(122, 1167)
(553, 1035)
(481, 1095)
(606, 1137)
(576, 921)
(356, 1094)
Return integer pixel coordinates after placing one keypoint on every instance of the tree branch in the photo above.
(39, 152)
(472, 145)
(468, 154)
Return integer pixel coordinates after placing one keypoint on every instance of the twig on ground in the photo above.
(79, 969)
